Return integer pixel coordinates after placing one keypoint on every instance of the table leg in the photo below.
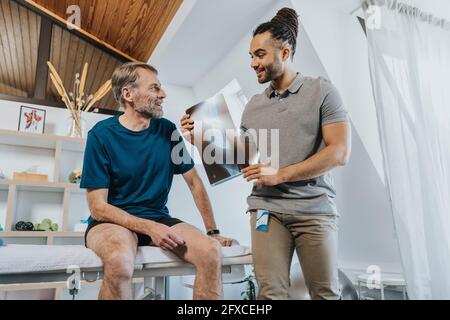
(359, 290)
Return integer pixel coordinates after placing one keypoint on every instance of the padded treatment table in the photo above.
(21, 264)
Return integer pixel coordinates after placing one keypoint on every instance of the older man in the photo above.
(128, 171)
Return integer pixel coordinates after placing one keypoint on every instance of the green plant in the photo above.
(250, 292)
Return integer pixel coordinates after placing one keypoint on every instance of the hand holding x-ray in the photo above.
(224, 150)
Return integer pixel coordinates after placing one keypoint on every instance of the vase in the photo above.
(76, 125)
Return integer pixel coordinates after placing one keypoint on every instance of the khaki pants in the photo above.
(315, 239)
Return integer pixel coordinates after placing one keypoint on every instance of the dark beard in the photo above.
(272, 71)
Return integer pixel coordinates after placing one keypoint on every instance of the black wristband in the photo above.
(212, 232)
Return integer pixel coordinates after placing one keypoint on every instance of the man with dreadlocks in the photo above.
(298, 194)
(314, 138)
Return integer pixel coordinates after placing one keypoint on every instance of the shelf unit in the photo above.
(57, 145)
(59, 153)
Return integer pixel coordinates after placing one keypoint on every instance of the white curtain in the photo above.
(409, 56)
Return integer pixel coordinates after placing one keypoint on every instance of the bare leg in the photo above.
(116, 246)
(205, 254)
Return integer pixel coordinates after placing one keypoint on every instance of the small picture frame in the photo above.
(31, 120)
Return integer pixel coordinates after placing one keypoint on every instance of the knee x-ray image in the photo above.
(224, 150)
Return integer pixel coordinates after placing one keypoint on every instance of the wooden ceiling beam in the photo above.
(45, 39)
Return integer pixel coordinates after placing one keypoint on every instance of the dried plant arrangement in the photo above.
(77, 101)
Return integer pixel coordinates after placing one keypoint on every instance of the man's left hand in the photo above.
(225, 242)
(263, 174)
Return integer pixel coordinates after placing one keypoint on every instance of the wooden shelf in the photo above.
(14, 187)
(44, 141)
(40, 186)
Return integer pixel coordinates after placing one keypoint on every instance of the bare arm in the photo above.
(201, 198)
(337, 139)
(203, 203)
(102, 211)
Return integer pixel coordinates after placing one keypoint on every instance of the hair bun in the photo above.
(289, 18)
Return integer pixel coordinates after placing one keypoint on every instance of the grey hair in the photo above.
(127, 75)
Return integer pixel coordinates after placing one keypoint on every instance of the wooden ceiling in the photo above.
(68, 47)
(19, 38)
(112, 32)
(133, 27)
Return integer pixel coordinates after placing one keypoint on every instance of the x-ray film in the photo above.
(224, 150)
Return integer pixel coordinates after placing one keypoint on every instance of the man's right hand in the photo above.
(187, 128)
(164, 237)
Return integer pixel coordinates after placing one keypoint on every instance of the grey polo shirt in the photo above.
(299, 114)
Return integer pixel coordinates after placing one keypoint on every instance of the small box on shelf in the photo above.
(30, 177)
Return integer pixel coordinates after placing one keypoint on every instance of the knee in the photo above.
(209, 254)
(119, 267)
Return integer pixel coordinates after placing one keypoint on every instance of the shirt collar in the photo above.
(293, 88)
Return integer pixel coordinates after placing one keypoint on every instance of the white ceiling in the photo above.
(203, 31)
(208, 31)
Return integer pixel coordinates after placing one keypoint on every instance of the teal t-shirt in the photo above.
(136, 166)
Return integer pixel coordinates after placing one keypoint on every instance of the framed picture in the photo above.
(31, 120)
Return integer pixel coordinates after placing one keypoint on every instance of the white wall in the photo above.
(332, 44)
